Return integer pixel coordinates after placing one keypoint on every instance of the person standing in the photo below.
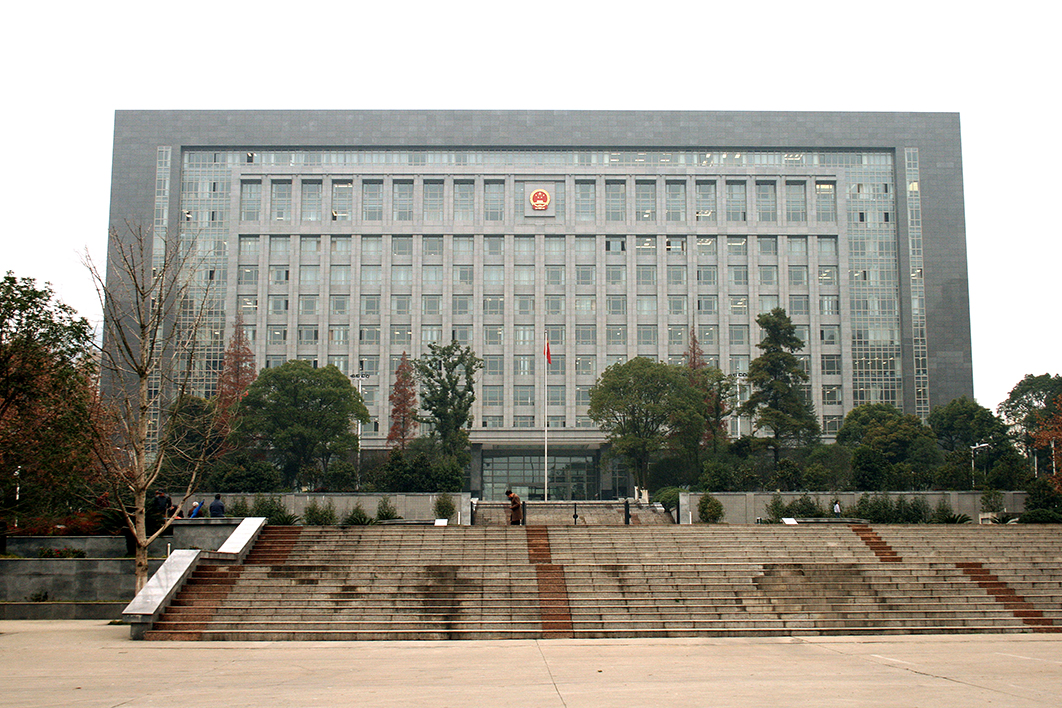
(516, 512)
(837, 509)
(217, 507)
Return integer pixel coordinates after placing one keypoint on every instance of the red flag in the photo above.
(548, 359)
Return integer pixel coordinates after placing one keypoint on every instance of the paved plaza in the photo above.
(89, 663)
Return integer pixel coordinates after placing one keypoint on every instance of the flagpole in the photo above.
(545, 427)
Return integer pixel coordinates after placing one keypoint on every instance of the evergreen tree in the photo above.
(447, 376)
(237, 373)
(777, 403)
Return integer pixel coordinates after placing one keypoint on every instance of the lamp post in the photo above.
(973, 450)
(18, 488)
(359, 377)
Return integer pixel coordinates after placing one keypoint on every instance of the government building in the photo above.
(347, 238)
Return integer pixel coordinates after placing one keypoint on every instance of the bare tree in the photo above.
(154, 300)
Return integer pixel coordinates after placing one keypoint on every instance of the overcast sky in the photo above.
(69, 65)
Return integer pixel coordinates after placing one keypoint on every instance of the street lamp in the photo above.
(359, 377)
(18, 488)
(973, 450)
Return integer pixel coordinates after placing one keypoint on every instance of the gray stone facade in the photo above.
(852, 221)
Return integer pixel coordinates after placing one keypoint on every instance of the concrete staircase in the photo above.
(498, 582)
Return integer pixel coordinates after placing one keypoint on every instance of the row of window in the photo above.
(555, 305)
(525, 335)
(525, 246)
(770, 202)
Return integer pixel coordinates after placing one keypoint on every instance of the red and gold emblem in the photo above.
(540, 200)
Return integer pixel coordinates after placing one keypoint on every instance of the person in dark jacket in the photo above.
(516, 512)
(217, 507)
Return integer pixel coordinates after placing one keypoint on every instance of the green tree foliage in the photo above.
(444, 507)
(302, 417)
(710, 510)
(777, 404)
(962, 423)
(318, 514)
(45, 398)
(447, 376)
(890, 449)
(640, 405)
(419, 470)
(403, 406)
(385, 510)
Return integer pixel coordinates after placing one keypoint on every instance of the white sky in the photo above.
(69, 65)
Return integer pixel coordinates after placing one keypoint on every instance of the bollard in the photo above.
(627, 512)
(523, 513)
(575, 514)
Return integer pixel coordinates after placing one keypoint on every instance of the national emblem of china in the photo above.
(539, 200)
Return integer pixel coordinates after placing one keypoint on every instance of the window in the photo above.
(828, 275)
(768, 245)
(279, 246)
(433, 205)
(799, 305)
(493, 365)
(464, 201)
(339, 276)
(308, 305)
(707, 275)
(525, 305)
(828, 246)
(276, 335)
(308, 334)
(826, 201)
(248, 246)
(831, 394)
(676, 304)
(462, 334)
(278, 305)
(830, 304)
(830, 334)
(586, 365)
(280, 200)
(401, 305)
(493, 276)
(372, 201)
(739, 304)
(705, 201)
(737, 245)
(796, 202)
(585, 305)
(279, 275)
(615, 201)
(371, 248)
(831, 364)
(402, 201)
(555, 395)
(585, 201)
(739, 335)
(524, 277)
(401, 335)
(616, 335)
(585, 335)
(585, 245)
(736, 201)
(708, 335)
(676, 201)
(339, 334)
(645, 201)
(247, 305)
(768, 276)
(803, 333)
(739, 364)
(615, 244)
(431, 305)
(582, 396)
(493, 201)
(493, 421)
(676, 244)
(708, 304)
(646, 275)
(769, 303)
(524, 365)
(431, 277)
(311, 201)
(585, 275)
(647, 335)
(646, 305)
(555, 334)
(706, 246)
(555, 367)
(798, 245)
(370, 277)
(492, 396)
(767, 201)
(739, 275)
(645, 245)
(524, 247)
(676, 335)
(432, 245)
(369, 335)
(676, 275)
(462, 249)
(341, 362)
(524, 421)
(401, 246)
(340, 245)
(309, 275)
(250, 201)
(369, 365)
(524, 334)
(370, 305)
(493, 305)
(554, 304)
(462, 305)
(615, 275)
(342, 200)
(463, 275)
(555, 247)
(523, 395)
(555, 276)
(430, 334)
(247, 275)
(798, 275)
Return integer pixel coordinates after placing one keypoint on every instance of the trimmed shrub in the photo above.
(667, 496)
(273, 510)
(444, 507)
(1040, 516)
(358, 517)
(385, 510)
(320, 514)
(710, 510)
